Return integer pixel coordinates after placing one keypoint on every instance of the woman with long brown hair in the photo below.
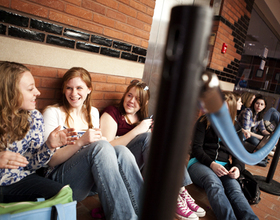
(22, 146)
(210, 167)
(92, 162)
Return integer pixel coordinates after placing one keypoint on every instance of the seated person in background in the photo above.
(251, 119)
(92, 163)
(210, 168)
(246, 99)
(243, 134)
(271, 119)
(22, 146)
(128, 124)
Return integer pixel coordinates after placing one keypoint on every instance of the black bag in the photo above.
(249, 187)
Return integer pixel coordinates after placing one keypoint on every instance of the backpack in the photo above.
(249, 187)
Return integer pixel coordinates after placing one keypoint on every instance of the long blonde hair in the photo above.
(14, 123)
(85, 76)
(143, 98)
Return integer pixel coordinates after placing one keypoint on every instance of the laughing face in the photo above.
(130, 103)
(28, 90)
(76, 92)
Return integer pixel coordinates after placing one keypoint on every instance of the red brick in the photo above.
(150, 3)
(132, 39)
(95, 77)
(144, 44)
(125, 28)
(97, 95)
(55, 4)
(137, 6)
(63, 18)
(5, 3)
(115, 79)
(90, 27)
(147, 28)
(101, 104)
(29, 8)
(113, 34)
(125, 1)
(75, 2)
(90, 5)
(142, 34)
(150, 11)
(51, 83)
(110, 3)
(43, 71)
(37, 81)
(104, 87)
(116, 15)
(143, 17)
(43, 103)
(47, 93)
(127, 10)
(135, 23)
(116, 96)
(103, 20)
(61, 72)
(121, 88)
(79, 12)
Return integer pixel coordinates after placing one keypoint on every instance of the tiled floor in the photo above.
(267, 209)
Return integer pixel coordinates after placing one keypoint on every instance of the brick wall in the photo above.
(230, 27)
(107, 89)
(114, 28)
(126, 20)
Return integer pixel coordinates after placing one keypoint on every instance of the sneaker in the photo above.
(200, 212)
(183, 212)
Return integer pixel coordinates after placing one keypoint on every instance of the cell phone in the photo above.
(150, 117)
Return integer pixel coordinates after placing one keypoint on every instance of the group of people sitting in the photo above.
(106, 154)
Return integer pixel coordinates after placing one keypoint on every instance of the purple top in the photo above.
(123, 126)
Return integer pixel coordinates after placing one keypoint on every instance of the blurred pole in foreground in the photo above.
(185, 60)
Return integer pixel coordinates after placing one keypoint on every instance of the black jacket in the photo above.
(207, 148)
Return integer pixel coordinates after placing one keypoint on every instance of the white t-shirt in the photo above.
(53, 117)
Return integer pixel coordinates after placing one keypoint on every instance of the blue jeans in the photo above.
(139, 147)
(224, 194)
(112, 171)
(272, 115)
(29, 189)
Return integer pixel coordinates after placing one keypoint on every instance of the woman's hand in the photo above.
(90, 136)
(58, 138)
(12, 160)
(234, 173)
(247, 134)
(219, 169)
(144, 125)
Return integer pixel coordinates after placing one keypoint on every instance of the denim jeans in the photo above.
(29, 189)
(272, 115)
(139, 147)
(224, 193)
(112, 171)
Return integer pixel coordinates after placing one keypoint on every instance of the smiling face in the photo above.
(28, 90)
(259, 105)
(76, 92)
(130, 103)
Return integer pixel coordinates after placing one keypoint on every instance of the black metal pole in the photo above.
(267, 184)
(185, 60)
